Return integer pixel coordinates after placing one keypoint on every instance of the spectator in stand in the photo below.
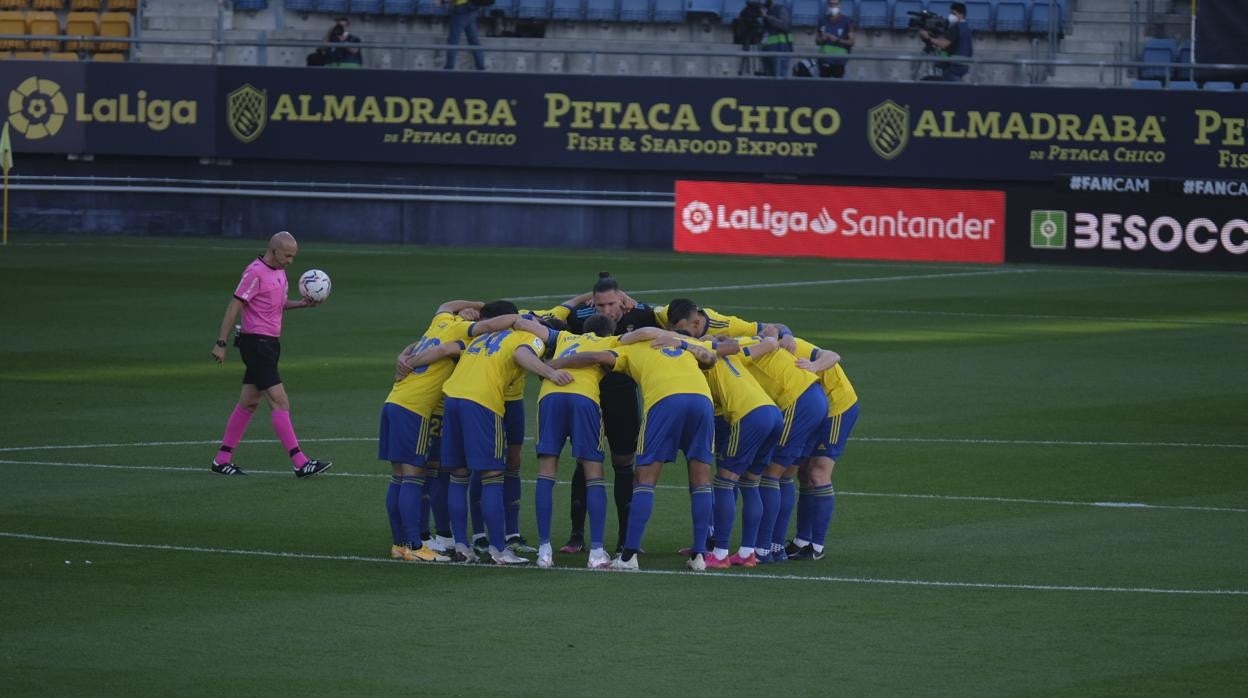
(777, 37)
(347, 55)
(957, 41)
(463, 21)
(835, 38)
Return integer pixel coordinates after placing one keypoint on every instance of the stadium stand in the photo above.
(1159, 51)
(979, 15)
(47, 5)
(1184, 56)
(251, 5)
(46, 24)
(95, 5)
(901, 12)
(705, 7)
(1011, 16)
(874, 14)
(365, 7)
(567, 9)
(1039, 18)
(1219, 86)
(115, 24)
(12, 23)
(1148, 84)
(338, 7)
(602, 10)
(1183, 85)
(806, 13)
(398, 7)
(108, 57)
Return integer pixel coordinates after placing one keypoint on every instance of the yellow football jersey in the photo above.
(660, 372)
(734, 390)
(716, 323)
(488, 366)
(841, 394)
(421, 390)
(515, 389)
(778, 373)
(584, 380)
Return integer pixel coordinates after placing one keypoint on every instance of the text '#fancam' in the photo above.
(789, 220)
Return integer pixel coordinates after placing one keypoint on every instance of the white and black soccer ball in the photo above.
(314, 285)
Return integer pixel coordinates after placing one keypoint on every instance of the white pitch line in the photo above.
(992, 586)
(1001, 316)
(818, 282)
(849, 493)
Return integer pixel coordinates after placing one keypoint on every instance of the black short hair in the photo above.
(496, 308)
(605, 283)
(680, 309)
(553, 323)
(600, 325)
(958, 7)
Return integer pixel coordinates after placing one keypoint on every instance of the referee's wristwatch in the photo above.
(221, 343)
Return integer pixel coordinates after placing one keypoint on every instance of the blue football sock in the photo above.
(640, 507)
(457, 508)
(493, 510)
(392, 511)
(596, 503)
(511, 501)
(430, 478)
(410, 493)
(769, 491)
(751, 512)
(544, 500)
(725, 507)
(788, 497)
(474, 503)
(825, 507)
(805, 513)
(436, 489)
(701, 505)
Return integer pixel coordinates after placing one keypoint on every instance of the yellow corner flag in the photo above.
(6, 150)
(6, 163)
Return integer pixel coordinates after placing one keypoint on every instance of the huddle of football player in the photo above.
(760, 414)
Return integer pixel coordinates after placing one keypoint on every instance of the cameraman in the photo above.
(957, 41)
(777, 36)
(835, 38)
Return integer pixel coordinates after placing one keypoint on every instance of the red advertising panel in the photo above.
(790, 220)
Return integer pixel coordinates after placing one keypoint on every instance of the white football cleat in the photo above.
(599, 560)
(506, 557)
(620, 565)
(545, 556)
(696, 563)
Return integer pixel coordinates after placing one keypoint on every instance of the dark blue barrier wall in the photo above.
(809, 128)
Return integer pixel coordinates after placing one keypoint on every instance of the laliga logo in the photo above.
(37, 108)
(696, 217)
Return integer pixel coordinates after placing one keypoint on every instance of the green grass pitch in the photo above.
(1046, 495)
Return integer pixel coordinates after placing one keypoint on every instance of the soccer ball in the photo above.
(314, 285)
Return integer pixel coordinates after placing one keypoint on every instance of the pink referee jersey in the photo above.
(263, 293)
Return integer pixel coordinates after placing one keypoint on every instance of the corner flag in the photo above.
(6, 150)
(6, 163)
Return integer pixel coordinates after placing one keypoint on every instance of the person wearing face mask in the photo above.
(957, 41)
(835, 38)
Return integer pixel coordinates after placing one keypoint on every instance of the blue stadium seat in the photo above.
(366, 7)
(301, 5)
(635, 10)
(429, 8)
(533, 9)
(806, 13)
(567, 9)
(602, 10)
(251, 5)
(1157, 51)
(1148, 84)
(1040, 13)
(704, 7)
(979, 15)
(873, 14)
(902, 10)
(1219, 85)
(669, 11)
(332, 6)
(1184, 56)
(1011, 16)
(398, 7)
(1183, 85)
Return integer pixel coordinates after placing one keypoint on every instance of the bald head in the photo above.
(282, 249)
